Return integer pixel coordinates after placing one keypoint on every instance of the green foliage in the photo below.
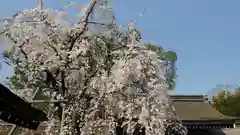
(169, 55)
(170, 59)
(227, 102)
(154, 48)
(137, 34)
(18, 79)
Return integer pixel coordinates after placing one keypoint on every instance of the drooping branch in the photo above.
(58, 87)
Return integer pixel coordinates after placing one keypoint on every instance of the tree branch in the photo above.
(23, 52)
(62, 87)
(85, 21)
(54, 49)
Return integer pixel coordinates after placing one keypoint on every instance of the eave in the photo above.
(196, 113)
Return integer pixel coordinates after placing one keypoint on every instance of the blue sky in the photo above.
(204, 33)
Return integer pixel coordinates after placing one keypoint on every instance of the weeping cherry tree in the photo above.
(95, 73)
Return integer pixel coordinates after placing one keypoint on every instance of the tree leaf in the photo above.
(169, 55)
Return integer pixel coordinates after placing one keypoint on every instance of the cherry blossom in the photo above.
(98, 73)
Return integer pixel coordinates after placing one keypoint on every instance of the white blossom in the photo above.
(102, 77)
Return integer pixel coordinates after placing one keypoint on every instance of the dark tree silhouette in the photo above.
(15, 110)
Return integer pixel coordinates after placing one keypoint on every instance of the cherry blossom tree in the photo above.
(99, 77)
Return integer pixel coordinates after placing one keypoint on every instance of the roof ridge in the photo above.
(196, 98)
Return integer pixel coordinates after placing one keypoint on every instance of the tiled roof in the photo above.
(194, 107)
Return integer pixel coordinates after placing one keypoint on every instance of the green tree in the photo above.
(169, 57)
(227, 102)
